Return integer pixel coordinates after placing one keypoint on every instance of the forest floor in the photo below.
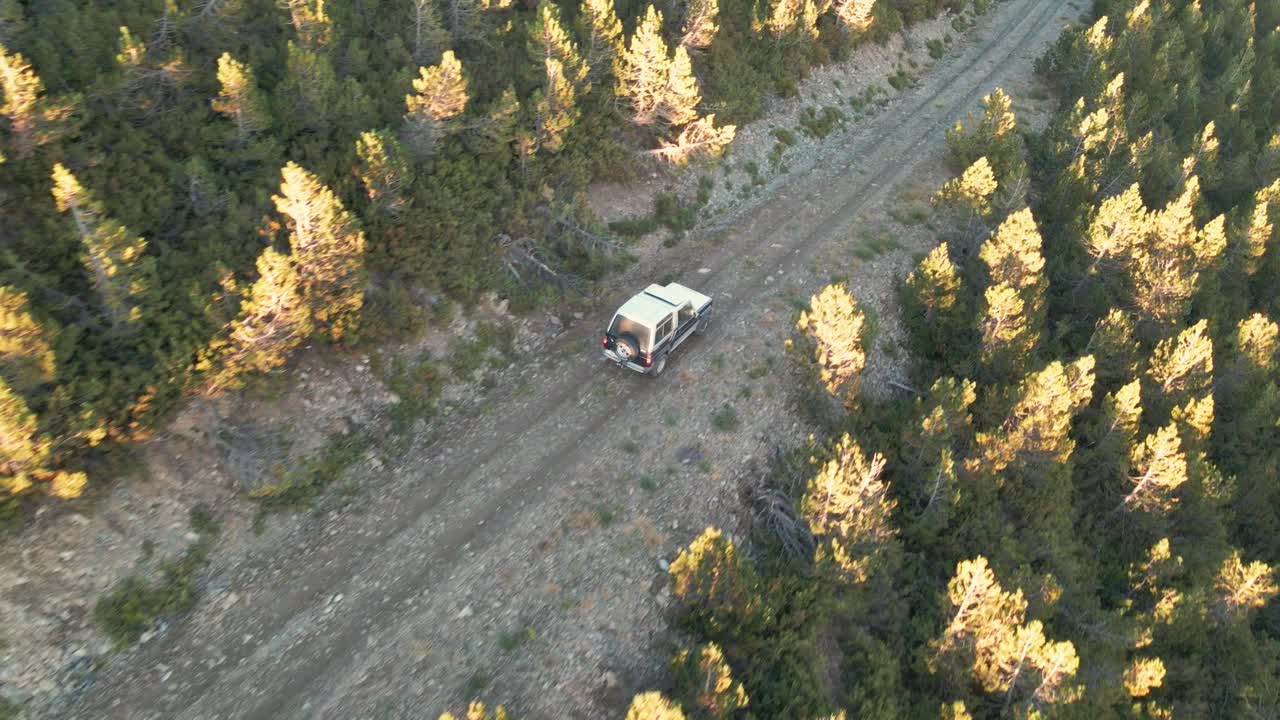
(514, 547)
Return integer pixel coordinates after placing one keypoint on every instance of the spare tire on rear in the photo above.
(627, 347)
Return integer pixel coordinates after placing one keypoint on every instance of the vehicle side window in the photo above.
(664, 329)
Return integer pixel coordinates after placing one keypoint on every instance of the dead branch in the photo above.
(773, 513)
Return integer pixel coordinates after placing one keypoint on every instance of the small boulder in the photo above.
(610, 680)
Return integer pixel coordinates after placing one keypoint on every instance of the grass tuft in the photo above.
(725, 418)
(511, 640)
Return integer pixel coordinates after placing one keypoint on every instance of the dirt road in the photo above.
(518, 556)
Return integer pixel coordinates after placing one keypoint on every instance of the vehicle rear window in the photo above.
(623, 325)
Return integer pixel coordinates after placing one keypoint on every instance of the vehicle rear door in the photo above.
(686, 321)
(664, 335)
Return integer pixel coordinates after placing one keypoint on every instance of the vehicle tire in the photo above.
(658, 366)
(703, 324)
(627, 347)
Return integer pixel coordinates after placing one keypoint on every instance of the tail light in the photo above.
(648, 361)
(604, 342)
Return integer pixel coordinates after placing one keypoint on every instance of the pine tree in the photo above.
(1164, 269)
(833, 327)
(440, 95)
(987, 634)
(310, 21)
(26, 453)
(385, 172)
(646, 70)
(603, 46)
(1257, 347)
(936, 309)
(1242, 588)
(1014, 305)
(203, 188)
(310, 87)
(548, 40)
(1013, 257)
(430, 39)
(713, 583)
(653, 706)
(22, 449)
(555, 109)
(965, 204)
(132, 51)
(1009, 334)
(27, 359)
(1203, 160)
(240, 98)
(972, 190)
(681, 98)
(118, 266)
(699, 139)
(700, 24)
(166, 30)
(944, 431)
(1098, 139)
(1181, 368)
(1111, 436)
(1033, 440)
(1151, 598)
(706, 683)
(465, 18)
(1260, 235)
(1114, 347)
(328, 247)
(790, 21)
(500, 124)
(994, 137)
(274, 320)
(855, 15)
(1119, 225)
(847, 506)
(1143, 675)
(33, 119)
(1027, 458)
(1161, 468)
(11, 20)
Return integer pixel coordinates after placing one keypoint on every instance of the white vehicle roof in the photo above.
(656, 302)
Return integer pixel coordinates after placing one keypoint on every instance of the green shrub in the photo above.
(820, 124)
(203, 521)
(673, 214)
(635, 227)
(909, 215)
(706, 184)
(298, 488)
(417, 383)
(512, 640)
(136, 604)
(901, 80)
(725, 418)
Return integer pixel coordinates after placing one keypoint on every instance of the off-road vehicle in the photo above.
(651, 324)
